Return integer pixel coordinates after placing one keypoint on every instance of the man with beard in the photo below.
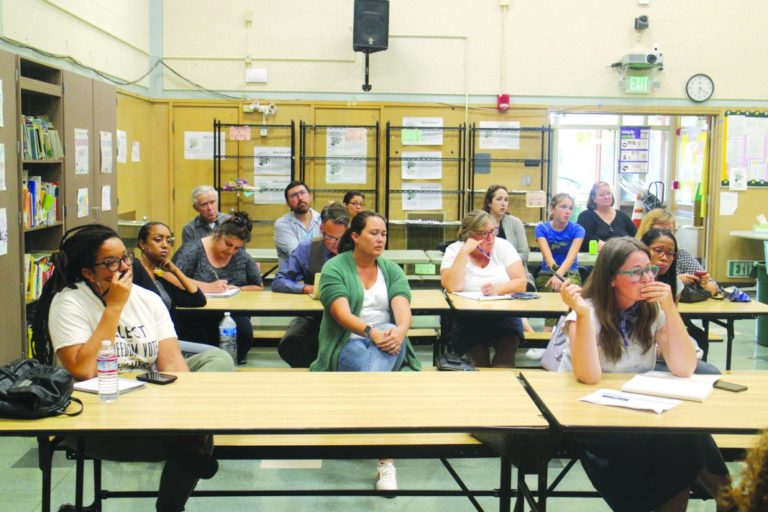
(300, 224)
(205, 201)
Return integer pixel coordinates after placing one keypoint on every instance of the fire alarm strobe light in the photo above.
(502, 102)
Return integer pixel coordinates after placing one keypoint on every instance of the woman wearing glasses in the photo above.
(616, 322)
(689, 270)
(480, 262)
(354, 200)
(90, 298)
(218, 262)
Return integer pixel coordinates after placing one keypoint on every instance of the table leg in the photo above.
(505, 483)
(45, 461)
(79, 474)
(729, 328)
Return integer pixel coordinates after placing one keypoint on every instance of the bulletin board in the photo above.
(745, 155)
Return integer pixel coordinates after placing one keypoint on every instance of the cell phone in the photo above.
(700, 273)
(729, 386)
(156, 378)
(524, 295)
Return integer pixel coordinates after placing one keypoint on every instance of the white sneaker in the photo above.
(386, 477)
(534, 353)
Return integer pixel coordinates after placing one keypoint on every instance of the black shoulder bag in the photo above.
(30, 390)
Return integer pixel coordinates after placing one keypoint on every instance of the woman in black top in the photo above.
(601, 220)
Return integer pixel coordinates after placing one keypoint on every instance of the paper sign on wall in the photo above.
(275, 160)
(3, 231)
(422, 131)
(422, 196)
(82, 202)
(122, 146)
(199, 145)
(497, 137)
(422, 165)
(2, 167)
(270, 189)
(81, 151)
(535, 199)
(105, 141)
(106, 198)
(135, 151)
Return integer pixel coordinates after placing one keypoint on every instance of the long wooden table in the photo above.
(723, 313)
(547, 305)
(280, 403)
(723, 412)
(558, 394)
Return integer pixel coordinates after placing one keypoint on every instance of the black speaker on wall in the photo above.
(370, 31)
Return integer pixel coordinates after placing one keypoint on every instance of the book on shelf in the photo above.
(695, 388)
(40, 141)
(39, 201)
(38, 269)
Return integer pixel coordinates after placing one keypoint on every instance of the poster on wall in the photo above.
(2, 167)
(422, 131)
(422, 196)
(274, 160)
(270, 189)
(3, 232)
(106, 198)
(122, 147)
(502, 135)
(81, 151)
(346, 150)
(199, 145)
(746, 150)
(2, 100)
(135, 152)
(633, 149)
(422, 165)
(82, 202)
(105, 141)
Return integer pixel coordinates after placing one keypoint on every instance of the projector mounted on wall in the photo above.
(648, 60)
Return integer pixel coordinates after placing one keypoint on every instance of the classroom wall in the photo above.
(110, 36)
(548, 48)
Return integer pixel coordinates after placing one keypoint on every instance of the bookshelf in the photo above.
(39, 200)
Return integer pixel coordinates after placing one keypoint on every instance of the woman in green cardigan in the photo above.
(367, 312)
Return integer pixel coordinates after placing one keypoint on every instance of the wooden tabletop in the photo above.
(410, 256)
(261, 303)
(722, 412)
(548, 304)
(712, 308)
(751, 235)
(263, 255)
(429, 301)
(306, 402)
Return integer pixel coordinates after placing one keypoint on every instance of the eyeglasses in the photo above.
(294, 195)
(487, 234)
(637, 273)
(113, 264)
(658, 251)
(332, 239)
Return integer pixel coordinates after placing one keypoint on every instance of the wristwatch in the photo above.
(367, 331)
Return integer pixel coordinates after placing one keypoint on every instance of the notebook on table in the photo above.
(316, 290)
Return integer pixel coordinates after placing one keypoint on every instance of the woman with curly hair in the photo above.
(751, 494)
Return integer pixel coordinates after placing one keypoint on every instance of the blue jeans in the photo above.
(362, 355)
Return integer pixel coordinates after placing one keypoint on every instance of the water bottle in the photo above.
(228, 336)
(106, 367)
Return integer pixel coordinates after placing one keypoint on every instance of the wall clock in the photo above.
(700, 87)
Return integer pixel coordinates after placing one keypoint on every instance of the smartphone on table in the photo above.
(156, 378)
(729, 386)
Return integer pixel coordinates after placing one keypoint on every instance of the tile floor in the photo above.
(20, 478)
